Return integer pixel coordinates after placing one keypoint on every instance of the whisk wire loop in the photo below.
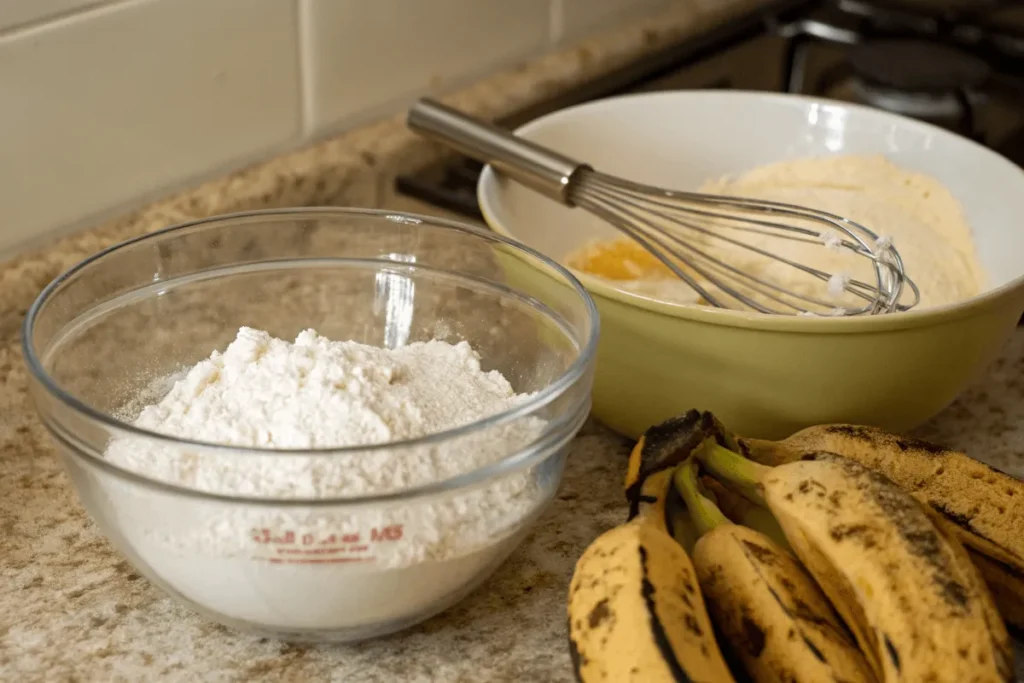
(671, 213)
(696, 236)
(609, 196)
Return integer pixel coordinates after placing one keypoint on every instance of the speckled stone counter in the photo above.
(72, 610)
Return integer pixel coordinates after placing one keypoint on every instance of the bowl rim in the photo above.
(489, 183)
(554, 429)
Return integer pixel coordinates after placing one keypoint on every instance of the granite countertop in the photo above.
(73, 610)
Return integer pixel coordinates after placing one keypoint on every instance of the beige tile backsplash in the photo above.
(361, 57)
(104, 103)
(125, 101)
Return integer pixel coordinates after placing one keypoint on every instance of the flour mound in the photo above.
(264, 392)
(314, 394)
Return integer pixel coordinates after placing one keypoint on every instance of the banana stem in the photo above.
(704, 513)
(732, 468)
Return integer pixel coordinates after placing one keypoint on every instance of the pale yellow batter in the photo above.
(923, 220)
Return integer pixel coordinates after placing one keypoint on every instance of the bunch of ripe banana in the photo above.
(834, 555)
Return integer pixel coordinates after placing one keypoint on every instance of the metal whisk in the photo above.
(687, 231)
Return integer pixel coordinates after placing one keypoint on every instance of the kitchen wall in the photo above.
(104, 104)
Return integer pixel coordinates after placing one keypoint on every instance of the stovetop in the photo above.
(955, 63)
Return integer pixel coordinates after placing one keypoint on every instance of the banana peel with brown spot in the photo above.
(668, 444)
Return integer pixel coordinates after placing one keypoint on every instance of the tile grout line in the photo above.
(61, 18)
(306, 62)
(556, 22)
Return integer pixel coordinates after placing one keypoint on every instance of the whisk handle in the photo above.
(539, 168)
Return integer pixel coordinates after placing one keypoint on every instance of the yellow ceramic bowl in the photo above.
(770, 375)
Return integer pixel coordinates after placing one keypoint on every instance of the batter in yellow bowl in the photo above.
(922, 218)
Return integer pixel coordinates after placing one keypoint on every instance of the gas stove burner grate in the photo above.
(917, 66)
(947, 9)
(929, 81)
(904, 56)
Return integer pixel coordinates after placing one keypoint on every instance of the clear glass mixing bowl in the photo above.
(103, 339)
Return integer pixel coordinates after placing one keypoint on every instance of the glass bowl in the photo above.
(108, 336)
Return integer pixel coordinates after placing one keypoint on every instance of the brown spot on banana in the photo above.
(875, 438)
(764, 555)
(598, 614)
(753, 637)
(894, 655)
(668, 444)
(862, 533)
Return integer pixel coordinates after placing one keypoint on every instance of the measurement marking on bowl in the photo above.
(291, 547)
(338, 560)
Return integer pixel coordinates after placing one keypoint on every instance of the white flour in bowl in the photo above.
(333, 567)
